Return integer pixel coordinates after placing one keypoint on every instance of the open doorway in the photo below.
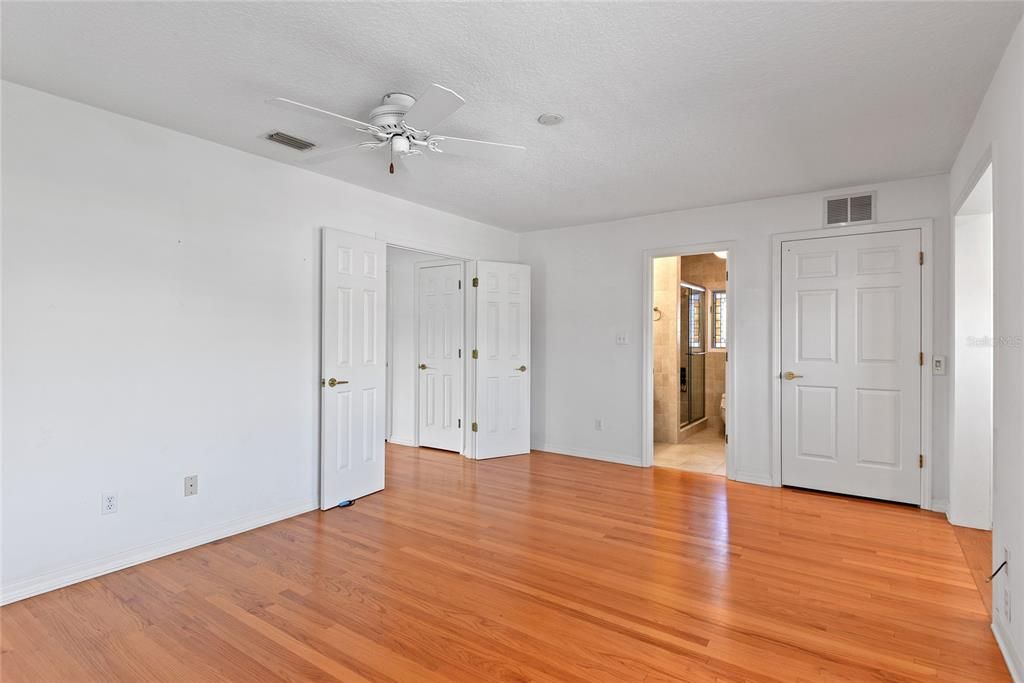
(689, 333)
(974, 344)
(426, 350)
(392, 315)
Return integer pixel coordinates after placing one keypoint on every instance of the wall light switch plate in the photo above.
(192, 485)
(938, 365)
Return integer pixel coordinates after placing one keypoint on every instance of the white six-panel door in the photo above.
(503, 364)
(441, 313)
(353, 367)
(851, 342)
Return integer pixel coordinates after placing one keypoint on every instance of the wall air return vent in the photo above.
(850, 210)
(290, 141)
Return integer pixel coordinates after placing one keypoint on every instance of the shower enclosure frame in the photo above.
(685, 347)
(647, 377)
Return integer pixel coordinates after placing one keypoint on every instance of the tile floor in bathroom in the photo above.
(703, 452)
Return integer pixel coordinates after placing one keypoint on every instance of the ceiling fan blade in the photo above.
(323, 113)
(495, 151)
(334, 152)
(326, 155)
(433, 107)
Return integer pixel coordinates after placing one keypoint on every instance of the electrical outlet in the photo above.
(192, 485)
(621, 339)
(108, 503)
(599, 425)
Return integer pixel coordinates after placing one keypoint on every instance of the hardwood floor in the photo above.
(977, 549)
(539, 567)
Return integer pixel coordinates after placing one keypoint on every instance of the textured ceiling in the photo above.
(667, 106)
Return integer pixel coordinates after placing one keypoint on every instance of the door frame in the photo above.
(647, 370)
(985, 162)
(925, 225)
(463, 449)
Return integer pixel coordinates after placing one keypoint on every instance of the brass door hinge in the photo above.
(476, 282)
(727, 438)
(920, 358)
(920, 460)
(473, 427)
(476, 354)
(920, 258)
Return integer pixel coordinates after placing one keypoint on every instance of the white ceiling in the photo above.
(667, 106)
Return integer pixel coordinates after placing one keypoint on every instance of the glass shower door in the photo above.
(691, 353)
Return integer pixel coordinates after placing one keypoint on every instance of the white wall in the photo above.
(587, 290)
(160, 319)
(970, 457)
(999, 128)
(402, 324)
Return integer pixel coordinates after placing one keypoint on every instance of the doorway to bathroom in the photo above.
(690, 351)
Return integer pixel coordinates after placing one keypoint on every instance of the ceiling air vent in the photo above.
(290, 141)
(850, 210)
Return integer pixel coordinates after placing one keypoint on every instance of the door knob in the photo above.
(521, 368)
(335, 382)
(423, 366)
(791, 375)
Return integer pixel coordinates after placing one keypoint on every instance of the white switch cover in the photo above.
(938, 365)
(621, 339)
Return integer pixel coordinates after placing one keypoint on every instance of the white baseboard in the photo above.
(939, 505)
(591, 454)
(403, 442)
(26, 588)
(747, 478)
(1010, 654)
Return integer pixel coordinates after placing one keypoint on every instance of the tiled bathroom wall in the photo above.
(666, 368)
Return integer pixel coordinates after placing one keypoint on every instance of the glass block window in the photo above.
(718, 313)
(695, 319)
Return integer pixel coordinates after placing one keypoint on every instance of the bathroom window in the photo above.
(718, 313)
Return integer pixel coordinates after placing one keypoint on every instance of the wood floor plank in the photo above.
(536, 568)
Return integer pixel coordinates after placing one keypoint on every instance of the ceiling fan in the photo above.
(402, 126)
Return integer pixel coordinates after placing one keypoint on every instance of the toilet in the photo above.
(725, 422)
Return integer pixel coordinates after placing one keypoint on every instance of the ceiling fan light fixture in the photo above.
(550, 119)
(399, 145)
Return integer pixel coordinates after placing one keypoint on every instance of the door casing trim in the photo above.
(925, 225)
